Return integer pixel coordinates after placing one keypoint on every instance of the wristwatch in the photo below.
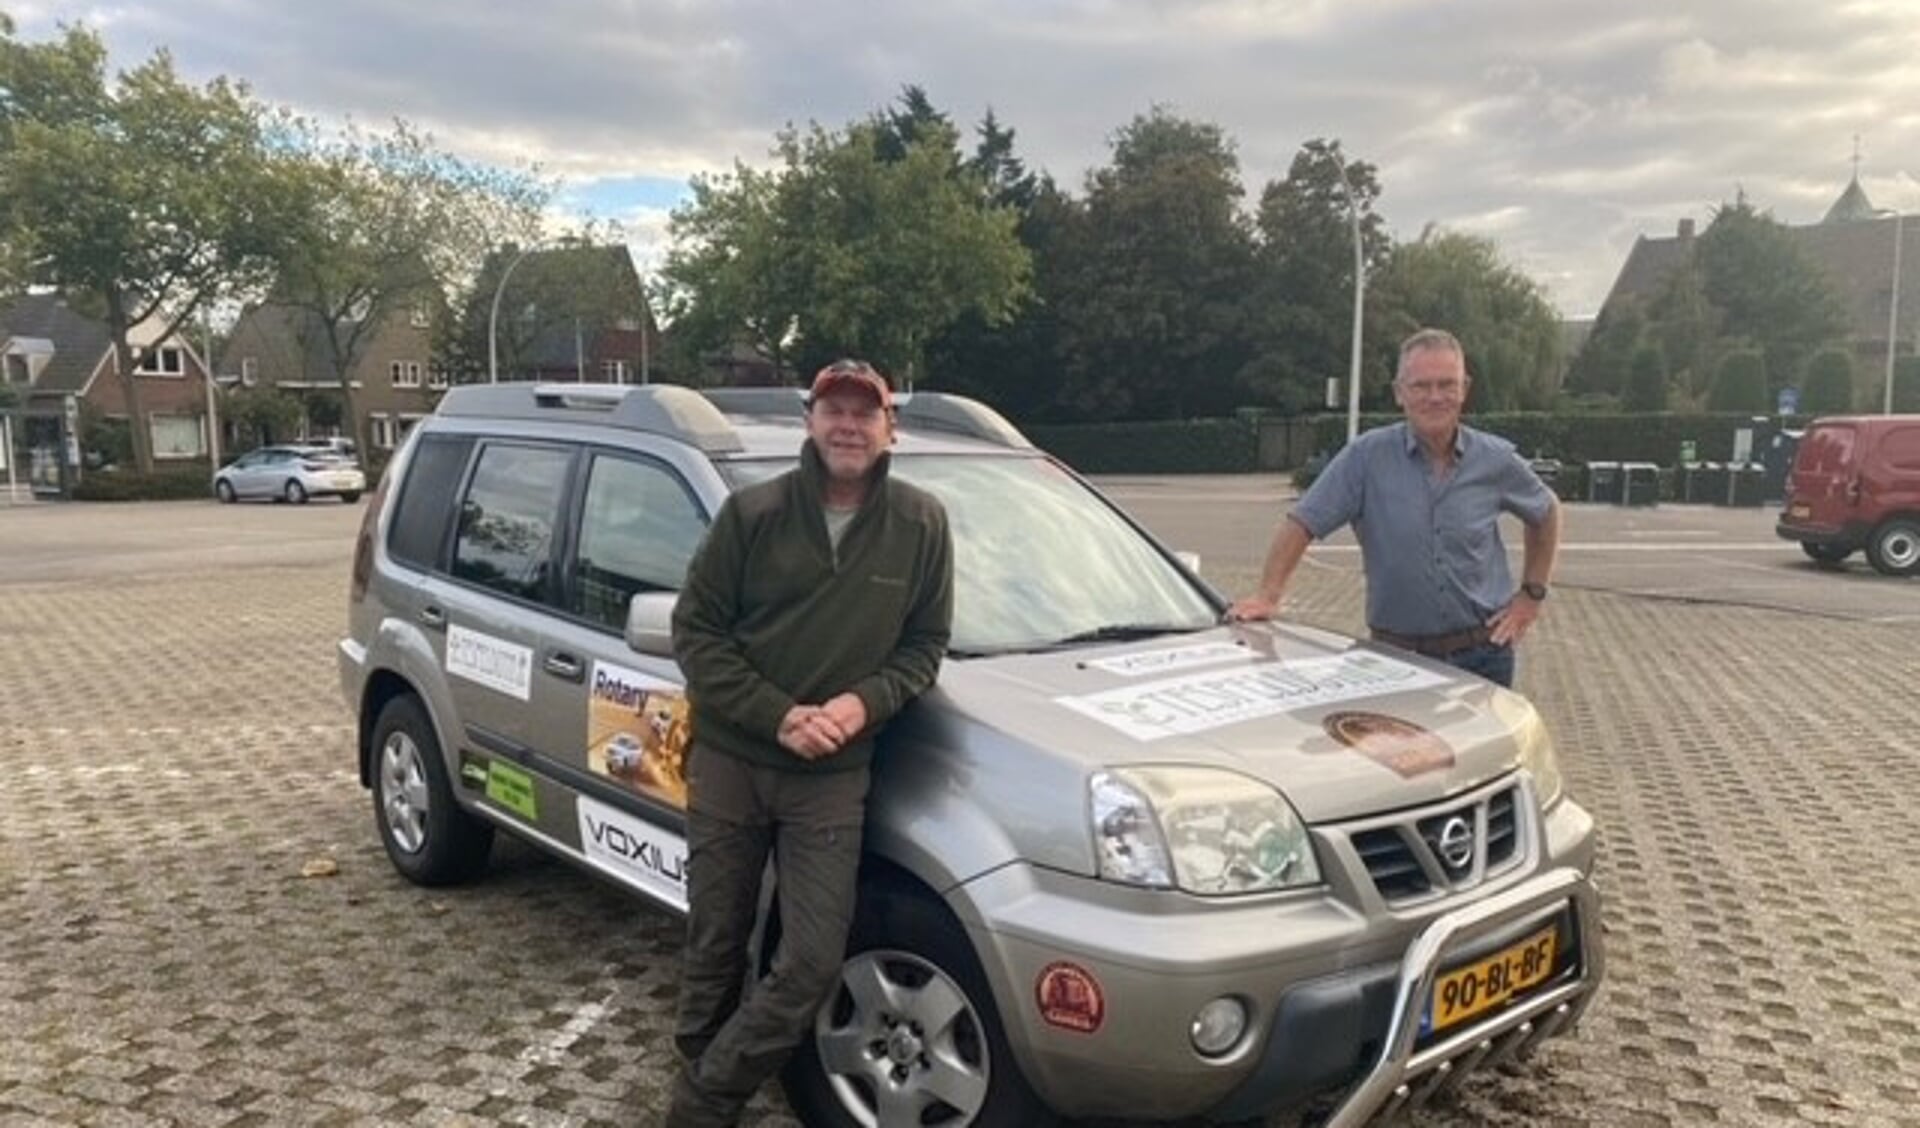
(1533, 591)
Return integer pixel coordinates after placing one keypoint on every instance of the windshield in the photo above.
(1039, 559)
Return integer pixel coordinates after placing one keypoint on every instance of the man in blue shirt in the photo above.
(1425, 497)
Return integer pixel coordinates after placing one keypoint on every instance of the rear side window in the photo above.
(1827, 450)
(508, 519)
(638, 529)
(419, 528)
(1902, 447)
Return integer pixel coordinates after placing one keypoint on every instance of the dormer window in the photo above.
(163, 361)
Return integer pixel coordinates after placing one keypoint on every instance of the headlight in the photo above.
(1537, 756)
(1203, 830)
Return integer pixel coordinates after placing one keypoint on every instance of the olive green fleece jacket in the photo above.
(768, 619)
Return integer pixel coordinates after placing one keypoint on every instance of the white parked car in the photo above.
(286, 473)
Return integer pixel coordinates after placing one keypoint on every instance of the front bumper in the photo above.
(1330, 988)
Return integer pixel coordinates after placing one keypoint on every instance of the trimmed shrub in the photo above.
(1740, 383)
(172, 483)
(1197, 446)
(1646, 380)
(1828, 388)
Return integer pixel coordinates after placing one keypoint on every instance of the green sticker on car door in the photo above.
(513, 789)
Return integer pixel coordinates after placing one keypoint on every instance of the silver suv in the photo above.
(1121, 860)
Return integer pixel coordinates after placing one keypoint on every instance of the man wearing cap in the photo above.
(818, 606)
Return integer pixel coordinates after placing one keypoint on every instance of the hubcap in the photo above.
(403, 792)
(902, 1044)
(1901, 548)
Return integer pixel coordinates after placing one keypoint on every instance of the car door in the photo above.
(622, 729)
(247, 473)
(489, 610)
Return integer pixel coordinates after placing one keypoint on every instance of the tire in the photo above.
(223, 490)
(1894, 548)
(350, 496)
(295, 492)
(1825, 553)
(946, 1034)
(429, 839)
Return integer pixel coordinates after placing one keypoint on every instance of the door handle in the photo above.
(563, 665)
(433, 616)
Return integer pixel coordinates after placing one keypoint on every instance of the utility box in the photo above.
(1703, 483)
(1746, 485)
(1604, 482)
(1639, 483)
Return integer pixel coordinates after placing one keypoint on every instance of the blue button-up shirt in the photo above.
(1431, 547)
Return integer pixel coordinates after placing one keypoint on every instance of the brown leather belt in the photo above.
(1437, 645)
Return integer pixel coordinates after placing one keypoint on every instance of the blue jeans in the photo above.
(1494, 663)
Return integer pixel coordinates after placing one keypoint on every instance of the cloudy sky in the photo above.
(1560, 129)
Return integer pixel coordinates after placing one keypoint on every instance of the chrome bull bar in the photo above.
(1402, 1078)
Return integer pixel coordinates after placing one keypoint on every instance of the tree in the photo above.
(1765, 290)
(1646, 381)
(263, 415)
(1458, 282)
(148, 193)
(377, 228)
(1154, 282)
(1602, 365)
(1740, 382)
(1302, 315)
(1828, 386)
(842, 251)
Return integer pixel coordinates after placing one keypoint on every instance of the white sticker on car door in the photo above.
(635, 851)
(489, 661)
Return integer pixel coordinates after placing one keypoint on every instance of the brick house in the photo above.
(61, 367)
(566, 314)
(1853, 245)
(392, 377)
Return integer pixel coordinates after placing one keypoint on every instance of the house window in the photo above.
(413, 373)
(176, 436)
(613, 371)
(405, 427)
(406, 374)
(164, 361)
(17, 372)
(418, 317)
(437, 378)
(249, 370)
(382, 431)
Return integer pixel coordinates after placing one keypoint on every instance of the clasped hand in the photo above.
(813, 731)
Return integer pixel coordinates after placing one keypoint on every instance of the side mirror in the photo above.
(650, 622)
(1189, 560)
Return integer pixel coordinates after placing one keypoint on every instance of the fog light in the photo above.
(1218, 1026)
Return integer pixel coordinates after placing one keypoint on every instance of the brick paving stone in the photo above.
(174, 751)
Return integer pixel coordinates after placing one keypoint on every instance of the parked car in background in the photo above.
(1855, 484)
(290, 473)
(1123, 859)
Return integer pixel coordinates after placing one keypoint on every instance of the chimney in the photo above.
(1686, 230)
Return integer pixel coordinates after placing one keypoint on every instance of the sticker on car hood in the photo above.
(1165, 660)
(1199, 702)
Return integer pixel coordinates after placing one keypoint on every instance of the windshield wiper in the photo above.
(1126, 632)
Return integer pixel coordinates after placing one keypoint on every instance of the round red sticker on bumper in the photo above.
(1070, 998)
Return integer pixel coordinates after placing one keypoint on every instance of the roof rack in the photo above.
(662, 409)
(916, 411)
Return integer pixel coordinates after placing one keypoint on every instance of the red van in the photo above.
(1856, 484)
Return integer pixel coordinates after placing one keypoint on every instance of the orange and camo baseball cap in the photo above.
(857, 374)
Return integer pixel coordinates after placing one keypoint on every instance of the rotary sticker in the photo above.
(1070, 997)
(637, 731)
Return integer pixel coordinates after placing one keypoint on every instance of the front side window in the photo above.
(508, 518)
(1039, 559)
(638, 529)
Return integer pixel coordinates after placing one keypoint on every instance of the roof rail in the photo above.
(662, 409)
(916, 411)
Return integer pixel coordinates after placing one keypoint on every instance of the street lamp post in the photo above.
(1359, 298)
(1893, 314)
(493, 317)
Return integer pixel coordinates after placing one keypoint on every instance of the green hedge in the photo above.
(1198, 446)
(1652, 438)
(171, 483)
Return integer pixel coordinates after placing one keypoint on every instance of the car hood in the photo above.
(1343, 728)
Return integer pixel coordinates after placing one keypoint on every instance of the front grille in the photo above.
(1442, 850)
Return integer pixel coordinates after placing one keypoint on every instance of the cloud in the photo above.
(1561, 130)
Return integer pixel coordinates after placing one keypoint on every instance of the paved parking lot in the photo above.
(176, 758)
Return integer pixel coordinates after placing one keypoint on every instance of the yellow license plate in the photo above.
(1800, 512)
(1460, 994)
